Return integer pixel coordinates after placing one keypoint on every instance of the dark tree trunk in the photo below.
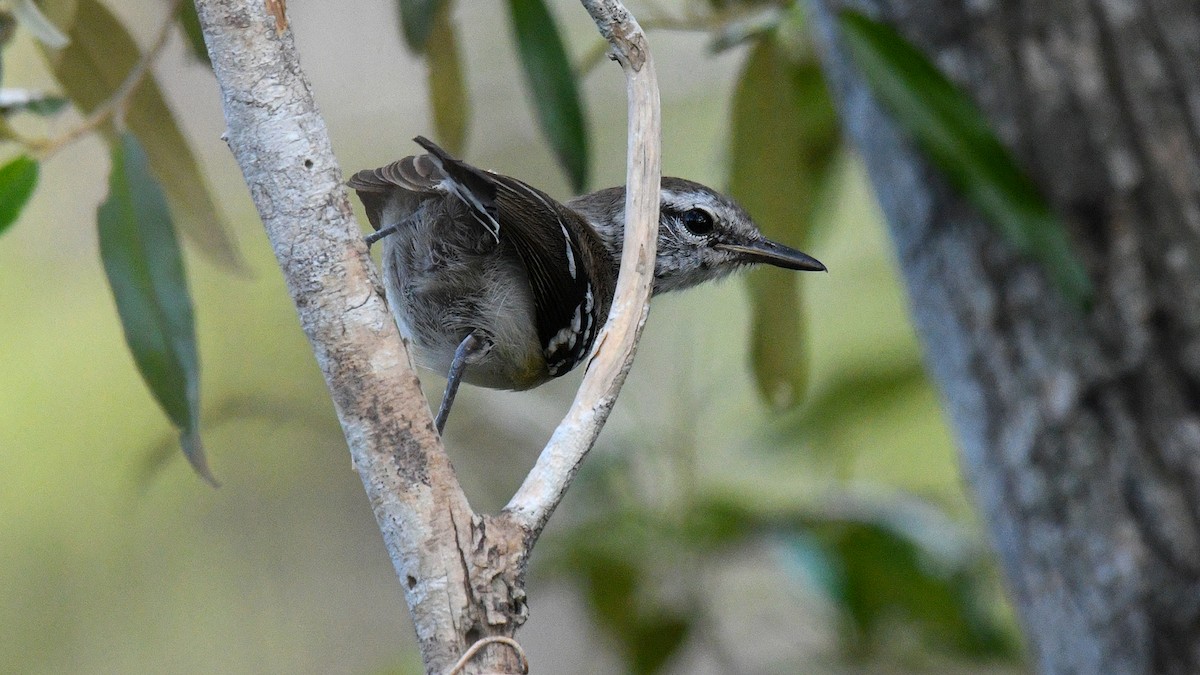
(1079, 431)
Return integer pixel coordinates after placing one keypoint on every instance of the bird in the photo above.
(495, 283)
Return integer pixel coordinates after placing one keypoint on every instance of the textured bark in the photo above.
(463, 573)
(1079, 431)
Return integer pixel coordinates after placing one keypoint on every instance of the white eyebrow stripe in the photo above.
(682, 201)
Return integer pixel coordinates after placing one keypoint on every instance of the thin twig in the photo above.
(480, 644)
(594, 56)
(113, 108)
(546, 484)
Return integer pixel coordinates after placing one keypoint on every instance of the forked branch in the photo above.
(547, 483)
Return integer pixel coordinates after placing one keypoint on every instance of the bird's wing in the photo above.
(417, 174)
(472, 186)
(549, 239)
(545, 235)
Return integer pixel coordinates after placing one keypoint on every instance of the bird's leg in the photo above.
(471, 345)
(411, 218)
(376, 236)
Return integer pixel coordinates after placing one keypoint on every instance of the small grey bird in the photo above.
(494, 282)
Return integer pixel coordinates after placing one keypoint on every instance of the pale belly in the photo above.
(436, 308)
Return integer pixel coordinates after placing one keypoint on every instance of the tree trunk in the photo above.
(1079, 431)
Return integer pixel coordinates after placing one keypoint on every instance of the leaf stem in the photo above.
(113, 108)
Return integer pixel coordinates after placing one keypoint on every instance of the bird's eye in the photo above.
(698, 221)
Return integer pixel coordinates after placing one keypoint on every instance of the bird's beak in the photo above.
(767, 252)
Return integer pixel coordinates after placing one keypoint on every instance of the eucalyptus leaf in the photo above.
(90, 69)
(852, 394)
(190, 22)
(417, 21)
(447, 89)
(784, 140)
(956, 137)
(145, 271)
(879, 575)
(778, 340)
(553, 89)
(18, 178)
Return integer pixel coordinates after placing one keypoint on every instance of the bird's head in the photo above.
(702, 234)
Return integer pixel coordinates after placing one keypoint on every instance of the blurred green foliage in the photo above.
(99, 57)
(880, 560)
(145, 272)
(784, 140)
(954, 134)
(18, 178)
(553, 90)
(843, 502)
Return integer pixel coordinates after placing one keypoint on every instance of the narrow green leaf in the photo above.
(145, 271)
(8, 27)
(447, 89)
(952, 131)
(778, 339)
(100, 56)
(784, 139)
(552, 87)
(190, 22)
(852, 396)
(884, 575)
(18, 178)
(417, 20)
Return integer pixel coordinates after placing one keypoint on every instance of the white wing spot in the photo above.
(570, 251)
(583, 324)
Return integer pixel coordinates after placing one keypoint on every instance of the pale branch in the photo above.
(546, 484)
(282, 146)
(113, 108)
(693, 23)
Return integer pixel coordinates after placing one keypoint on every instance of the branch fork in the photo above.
(462, 573)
